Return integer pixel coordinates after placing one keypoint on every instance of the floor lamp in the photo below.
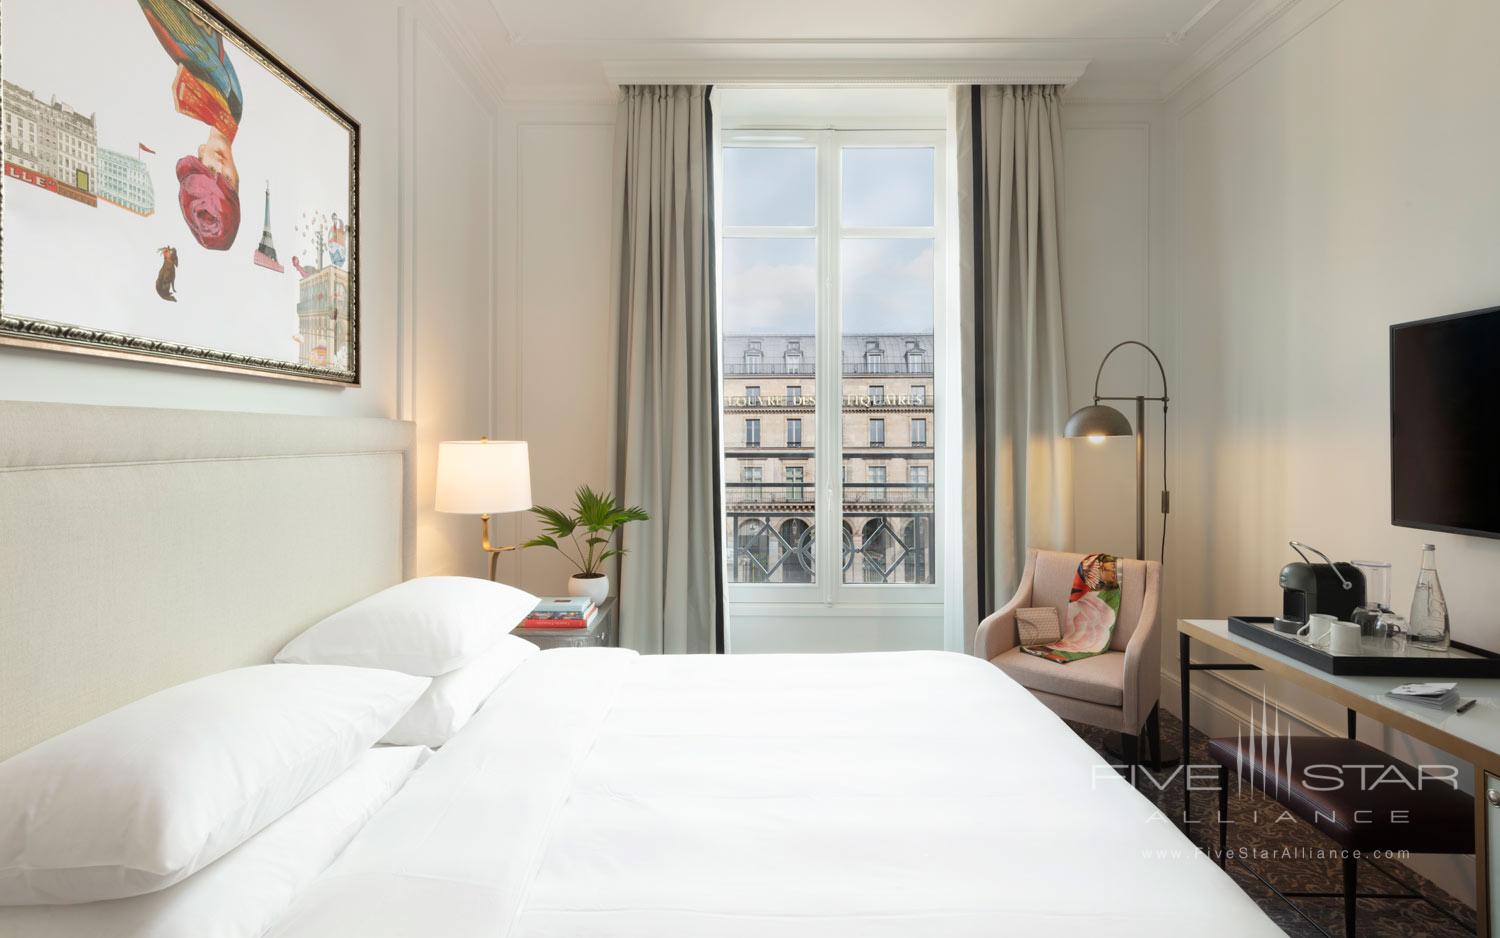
(1099, 420)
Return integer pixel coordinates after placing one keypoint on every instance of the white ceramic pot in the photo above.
(595, 588)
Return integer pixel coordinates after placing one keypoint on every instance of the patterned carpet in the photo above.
(1377, 918)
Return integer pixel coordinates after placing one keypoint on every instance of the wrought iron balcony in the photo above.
(857, 495)
(754, 367)
(885, 366)
(780, 547)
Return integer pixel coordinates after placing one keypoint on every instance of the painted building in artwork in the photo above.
(124, 181)
(50, 140)
(323, 316)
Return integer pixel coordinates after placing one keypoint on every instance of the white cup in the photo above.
(1344, 639)
(1317, 629)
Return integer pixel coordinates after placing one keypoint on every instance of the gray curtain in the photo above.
(1011, 330)
(667, 421)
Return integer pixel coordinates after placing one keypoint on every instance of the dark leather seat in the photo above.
(1361, 797)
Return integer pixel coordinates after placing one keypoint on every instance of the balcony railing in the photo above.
(888, 366)
(781, 548)
(754, 367)
(857, 495)
(851, 366)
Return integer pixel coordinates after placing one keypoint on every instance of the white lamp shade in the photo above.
(483, 477)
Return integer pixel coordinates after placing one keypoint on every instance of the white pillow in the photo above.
(245, 892)
(454, 697)
(426, 626)
(141, 797)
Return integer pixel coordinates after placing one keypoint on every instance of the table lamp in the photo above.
(483, 477)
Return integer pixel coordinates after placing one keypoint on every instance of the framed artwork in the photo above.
(174, 193)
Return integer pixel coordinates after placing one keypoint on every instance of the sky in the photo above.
(770, 284)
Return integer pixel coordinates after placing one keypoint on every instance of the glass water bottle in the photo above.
(1427, 626)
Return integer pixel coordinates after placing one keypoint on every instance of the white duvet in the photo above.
(601, 793)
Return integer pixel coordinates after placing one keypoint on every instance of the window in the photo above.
(792, 357)
(752, 393)
(751, 473)
(830, 273)
(795, 476)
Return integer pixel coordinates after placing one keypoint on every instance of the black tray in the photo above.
(1463, 661)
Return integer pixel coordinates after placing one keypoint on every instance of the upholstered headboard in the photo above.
(143, 548)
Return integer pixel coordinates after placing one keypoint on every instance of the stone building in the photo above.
(770, 467)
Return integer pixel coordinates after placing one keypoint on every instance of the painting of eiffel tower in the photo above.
(265, 253)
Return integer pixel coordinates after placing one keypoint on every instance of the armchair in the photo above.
(1118, 690)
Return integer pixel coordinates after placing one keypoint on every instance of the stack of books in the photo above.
(1436, 696)
(562, 612)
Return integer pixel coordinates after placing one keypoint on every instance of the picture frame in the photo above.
(94, 258)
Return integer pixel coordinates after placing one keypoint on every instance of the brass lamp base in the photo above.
(491, 549)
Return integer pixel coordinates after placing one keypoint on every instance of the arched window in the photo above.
(797, 547)
(917, 564)
(752, 552)
(874, 547)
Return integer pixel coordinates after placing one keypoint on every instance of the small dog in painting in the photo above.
(166, 278)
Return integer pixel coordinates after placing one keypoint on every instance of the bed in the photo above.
(597, 792)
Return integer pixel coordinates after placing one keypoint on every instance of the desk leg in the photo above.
(1481, 852)
(1353, 724)
(1185, 674)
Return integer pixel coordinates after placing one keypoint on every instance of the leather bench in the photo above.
(1362, 798)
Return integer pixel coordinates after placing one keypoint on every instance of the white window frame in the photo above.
(828, 233)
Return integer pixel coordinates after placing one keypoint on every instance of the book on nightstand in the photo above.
(562, 612)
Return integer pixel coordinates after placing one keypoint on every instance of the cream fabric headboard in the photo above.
(143, 548)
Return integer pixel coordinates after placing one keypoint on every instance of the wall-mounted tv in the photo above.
(1445, 423)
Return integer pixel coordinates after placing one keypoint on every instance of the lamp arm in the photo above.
(1154, 357)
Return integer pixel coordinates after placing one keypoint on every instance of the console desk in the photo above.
(1473, 736)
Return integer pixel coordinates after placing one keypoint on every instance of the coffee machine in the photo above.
(1335, 589)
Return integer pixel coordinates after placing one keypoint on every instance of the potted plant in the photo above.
(595, 519)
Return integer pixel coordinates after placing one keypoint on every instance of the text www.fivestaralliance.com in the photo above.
(1275, 853)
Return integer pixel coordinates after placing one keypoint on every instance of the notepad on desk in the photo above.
(1439, 696)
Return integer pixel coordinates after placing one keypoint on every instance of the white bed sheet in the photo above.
(601, 793)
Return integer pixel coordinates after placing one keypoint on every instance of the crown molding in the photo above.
(1239, 32)
(460, 38)
(845, 72)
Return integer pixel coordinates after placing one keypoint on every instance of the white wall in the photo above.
(555, 327)
(426, 243)
(1328, 187)
(1116, 244)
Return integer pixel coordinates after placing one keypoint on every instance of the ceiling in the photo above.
(566, 49)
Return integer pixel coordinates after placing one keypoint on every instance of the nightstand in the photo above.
(603, 632)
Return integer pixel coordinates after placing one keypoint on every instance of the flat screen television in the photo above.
(1445, 423)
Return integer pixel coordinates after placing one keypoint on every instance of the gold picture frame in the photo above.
(326, 336)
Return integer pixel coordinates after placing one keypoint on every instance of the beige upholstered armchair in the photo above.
(1117, 690)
